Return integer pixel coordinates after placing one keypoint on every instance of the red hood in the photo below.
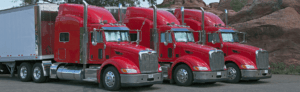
(127, 46)
(240, 46)
(190, 45)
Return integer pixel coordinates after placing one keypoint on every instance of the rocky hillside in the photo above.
(270, 24)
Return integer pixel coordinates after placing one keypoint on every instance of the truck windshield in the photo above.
(184, 37)
(230, 37)
(117, 36)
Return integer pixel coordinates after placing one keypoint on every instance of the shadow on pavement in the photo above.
(250, 82)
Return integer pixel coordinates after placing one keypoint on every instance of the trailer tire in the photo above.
(185, 72)
(111, 79)
(234, 73)
(38, 74)
(24, 72)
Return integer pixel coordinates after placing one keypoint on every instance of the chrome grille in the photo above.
(262, 59)
(216, 59)
(148, 61)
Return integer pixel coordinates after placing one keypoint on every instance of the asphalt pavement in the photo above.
(278, 83)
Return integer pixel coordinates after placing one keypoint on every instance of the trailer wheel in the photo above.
(24, 72)
(183, 75)
(111, 79)
(38, 74)
(234, 73)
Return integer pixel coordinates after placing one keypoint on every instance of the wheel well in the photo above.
(102, 70)
(173, 70)
(227, 62)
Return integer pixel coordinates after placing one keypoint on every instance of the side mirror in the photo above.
(244, 37)
(95, 37)
(166, 38)
(215, 38)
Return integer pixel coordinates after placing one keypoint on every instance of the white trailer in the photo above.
(21, 34)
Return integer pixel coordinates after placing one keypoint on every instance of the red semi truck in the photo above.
(73, 42)
(181, 59)
(243, 62)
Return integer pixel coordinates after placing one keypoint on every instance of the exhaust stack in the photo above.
(226, 17)
(120, 13)
(182, 15)
(203, 31)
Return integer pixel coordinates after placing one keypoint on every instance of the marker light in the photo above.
(128, 70)
(247, 66)
(200, 68)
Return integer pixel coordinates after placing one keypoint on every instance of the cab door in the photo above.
(96, 53)
(166, 50)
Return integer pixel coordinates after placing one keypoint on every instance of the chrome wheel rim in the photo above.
(182, 75)
(37, 73)
(231, 73)
(110, 79)
(23, 72)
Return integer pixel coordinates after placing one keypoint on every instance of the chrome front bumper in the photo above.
(140, 79)
(255, 74)
(203, 77)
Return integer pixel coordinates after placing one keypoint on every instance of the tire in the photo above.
(111, 79)
(210, 83)
(183, 75)
(234, 73)
(25, 72)
(38, 74)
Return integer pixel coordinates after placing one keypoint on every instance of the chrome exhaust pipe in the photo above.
(120, 13)
(226, 17)
(203, 30)
(84, 55)
(154, 17)
(182, 15)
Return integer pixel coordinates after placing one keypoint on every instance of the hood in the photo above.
(198, 47)
(238, 46)
(125, 46)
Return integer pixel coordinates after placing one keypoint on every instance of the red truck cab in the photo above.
(244, 62)
(103, 51)
(181, 59)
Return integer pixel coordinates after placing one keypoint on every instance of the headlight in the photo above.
(159, 69)
(128, 70)
(225, 67)
(247, 66)
(200, 68)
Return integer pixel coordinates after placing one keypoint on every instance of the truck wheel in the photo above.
(38, 74)
(183, 75)
(24, 72)
(234, 73)
(111, 79)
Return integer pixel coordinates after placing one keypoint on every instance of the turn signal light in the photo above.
(199, 68)
(247, 66)
(128, 70)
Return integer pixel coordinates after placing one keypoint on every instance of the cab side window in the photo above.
(64, 37)
(163, 38)
(210, 37)
(99, 37)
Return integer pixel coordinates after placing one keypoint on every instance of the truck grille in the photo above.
(148, 62)
(216, 59)
(262, 59)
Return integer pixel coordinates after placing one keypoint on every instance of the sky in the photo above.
(5, 4)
